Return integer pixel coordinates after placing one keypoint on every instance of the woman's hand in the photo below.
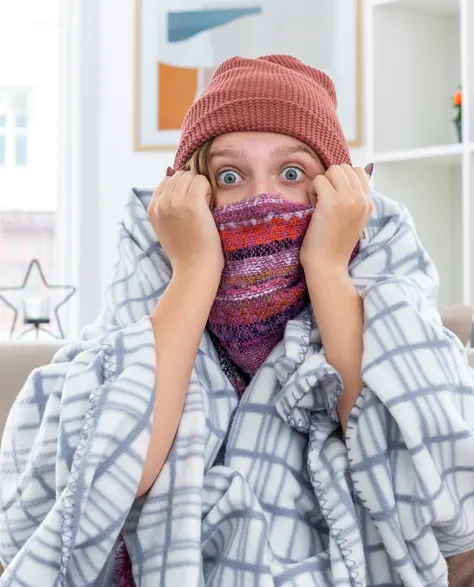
(342, 208)
(180, 214)
(183, 222)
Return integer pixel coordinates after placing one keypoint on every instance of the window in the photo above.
(21, 140)
(14, 106)
(28, 144)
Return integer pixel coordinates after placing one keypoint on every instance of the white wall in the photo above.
(119, 167)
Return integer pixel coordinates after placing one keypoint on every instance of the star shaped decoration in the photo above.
(35, 307)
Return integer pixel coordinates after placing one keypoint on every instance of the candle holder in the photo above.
(37, 309)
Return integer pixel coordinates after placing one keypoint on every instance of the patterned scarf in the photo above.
(262, 285)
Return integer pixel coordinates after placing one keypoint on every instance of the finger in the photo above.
(157, 194)
(160, 187)
(351, 176)
(172, 181)
(171, 193)
(323, 188)
(338, 178)
(312, 195)
(370, 203)
(182, 186)
(363, 179)
(200, 187)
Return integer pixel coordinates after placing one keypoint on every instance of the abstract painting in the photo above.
(179, 44)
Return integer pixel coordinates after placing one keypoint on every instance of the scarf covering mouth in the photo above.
(263, 285)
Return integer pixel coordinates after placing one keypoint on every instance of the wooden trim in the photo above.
(357, 142)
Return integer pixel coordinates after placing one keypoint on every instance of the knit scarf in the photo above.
(262, 285)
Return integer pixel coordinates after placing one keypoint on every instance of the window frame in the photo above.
(79, 202)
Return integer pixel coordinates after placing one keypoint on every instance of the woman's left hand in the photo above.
(343, 206)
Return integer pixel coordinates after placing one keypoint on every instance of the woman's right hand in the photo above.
(180, 215)
(183, 222)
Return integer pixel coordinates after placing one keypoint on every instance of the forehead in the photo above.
(244, 140)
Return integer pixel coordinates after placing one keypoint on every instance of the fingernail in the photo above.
(169, 172)
(369, 169)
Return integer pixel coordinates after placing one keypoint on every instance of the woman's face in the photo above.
(245, 164)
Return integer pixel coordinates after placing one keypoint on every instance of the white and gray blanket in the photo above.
(261, 493)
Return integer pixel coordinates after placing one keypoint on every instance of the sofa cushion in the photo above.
(458, 319)
(17, 361)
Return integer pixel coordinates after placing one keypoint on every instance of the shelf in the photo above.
(434, 196)
(418, 53)
(445, 154)
(436, 6)
(417, 57)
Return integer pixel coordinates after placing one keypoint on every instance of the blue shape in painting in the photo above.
(188, 23)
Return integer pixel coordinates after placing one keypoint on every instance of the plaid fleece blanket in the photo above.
(263, 492)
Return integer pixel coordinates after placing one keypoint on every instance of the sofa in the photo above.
(17, 361)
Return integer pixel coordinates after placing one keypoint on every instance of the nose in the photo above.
(262, 184)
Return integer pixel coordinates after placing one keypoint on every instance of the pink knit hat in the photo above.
(277, 93)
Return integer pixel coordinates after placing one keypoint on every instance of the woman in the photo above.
(269, 397)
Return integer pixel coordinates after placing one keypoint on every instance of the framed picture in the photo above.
(179, 44)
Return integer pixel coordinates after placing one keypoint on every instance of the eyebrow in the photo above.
(237, 153)
(281, 151)
(278, 151)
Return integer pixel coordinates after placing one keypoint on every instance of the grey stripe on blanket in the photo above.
(265, 491)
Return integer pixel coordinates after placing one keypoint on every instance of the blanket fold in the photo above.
(262, 491)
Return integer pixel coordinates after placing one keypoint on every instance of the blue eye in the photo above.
(228, 177)
(293, 173)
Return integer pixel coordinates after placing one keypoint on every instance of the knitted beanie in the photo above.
(276, 93)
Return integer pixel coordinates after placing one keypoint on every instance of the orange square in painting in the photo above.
(177, 89)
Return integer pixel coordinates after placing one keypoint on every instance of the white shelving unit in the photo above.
(417, 53)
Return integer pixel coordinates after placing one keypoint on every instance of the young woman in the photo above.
(270, 398)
